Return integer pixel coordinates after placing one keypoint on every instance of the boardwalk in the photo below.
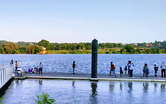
(101, 77)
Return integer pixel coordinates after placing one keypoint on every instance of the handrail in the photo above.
(6, 73)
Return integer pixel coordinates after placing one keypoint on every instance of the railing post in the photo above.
(94, 58)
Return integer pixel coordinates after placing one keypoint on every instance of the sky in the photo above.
(73, 21)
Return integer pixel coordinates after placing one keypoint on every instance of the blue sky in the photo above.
(124, 21)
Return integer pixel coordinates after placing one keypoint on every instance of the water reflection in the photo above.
(155, 87)
(93, 97)
(145, 86)
(121, 86)
(111, 86)
(130, 86)
(73, 84)
(18, 81)
(40, 82)
(163, 87)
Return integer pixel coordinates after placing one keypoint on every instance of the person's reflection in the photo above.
(17, 81)
(130, 85)
(155, 87)
(163, 87)
(145, 86)
(93, 97)
(73, 84)
(40, 82)
(111, 86)
(121, 86)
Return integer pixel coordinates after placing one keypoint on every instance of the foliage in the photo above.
(0, 100)
(81, 48)
(44, 99)
(33, 49)
(44, 43)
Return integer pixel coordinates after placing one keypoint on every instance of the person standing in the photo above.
(125, 69)
(73, 65)
(163, 68)
(40, 68)
(112, 69)
(130, 68)
(16, 66)
(121, 71)
(145, 70)
(155, 69)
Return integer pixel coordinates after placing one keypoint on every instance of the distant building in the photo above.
(148, 45)
(43, 50)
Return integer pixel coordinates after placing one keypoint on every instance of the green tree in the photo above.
(33, 49)
(129, 48)
(44, 43)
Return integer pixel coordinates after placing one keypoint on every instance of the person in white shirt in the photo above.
(163, 68)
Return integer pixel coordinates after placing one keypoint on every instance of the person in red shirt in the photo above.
(112, 69)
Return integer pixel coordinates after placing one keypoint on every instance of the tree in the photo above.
(44, 43)
(130, 48)
(33, 49)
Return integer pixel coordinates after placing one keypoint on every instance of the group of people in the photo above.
(130, 67)
(19, 71)
(36, 69)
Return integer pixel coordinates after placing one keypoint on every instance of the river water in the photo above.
(86, 92)
(63, 62)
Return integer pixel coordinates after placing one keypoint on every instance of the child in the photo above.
(125, 69)
(121, 71)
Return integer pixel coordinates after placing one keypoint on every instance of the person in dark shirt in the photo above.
(74, 65)
(155, 69)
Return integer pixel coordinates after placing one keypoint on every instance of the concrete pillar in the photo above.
(94, 58)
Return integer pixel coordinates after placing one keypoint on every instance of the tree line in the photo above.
(107, 48)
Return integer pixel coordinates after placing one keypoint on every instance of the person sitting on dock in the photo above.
(163, 68)
(155, 70)
(19, 72)
(112, 69)
(145, 70)
(40, 68)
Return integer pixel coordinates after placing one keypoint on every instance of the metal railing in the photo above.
(6, 73)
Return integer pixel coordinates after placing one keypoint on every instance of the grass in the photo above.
(100, 51)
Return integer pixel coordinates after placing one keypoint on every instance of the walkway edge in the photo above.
(92, 79)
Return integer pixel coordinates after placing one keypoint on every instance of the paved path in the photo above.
(78, 76)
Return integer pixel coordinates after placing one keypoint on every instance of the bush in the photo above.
(44, 99)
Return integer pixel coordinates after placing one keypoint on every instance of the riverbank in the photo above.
(100, 77)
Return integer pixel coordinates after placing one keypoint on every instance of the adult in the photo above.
(145, 70)
(40, 68)
(16, 66)
(73, 65)
(155, 69)
(112, 69)
(163, 68)
(11, 62)
(130, 68)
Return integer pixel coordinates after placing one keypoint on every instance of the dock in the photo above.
(80, 76)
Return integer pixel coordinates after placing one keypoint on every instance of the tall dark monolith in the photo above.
(94, 59)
